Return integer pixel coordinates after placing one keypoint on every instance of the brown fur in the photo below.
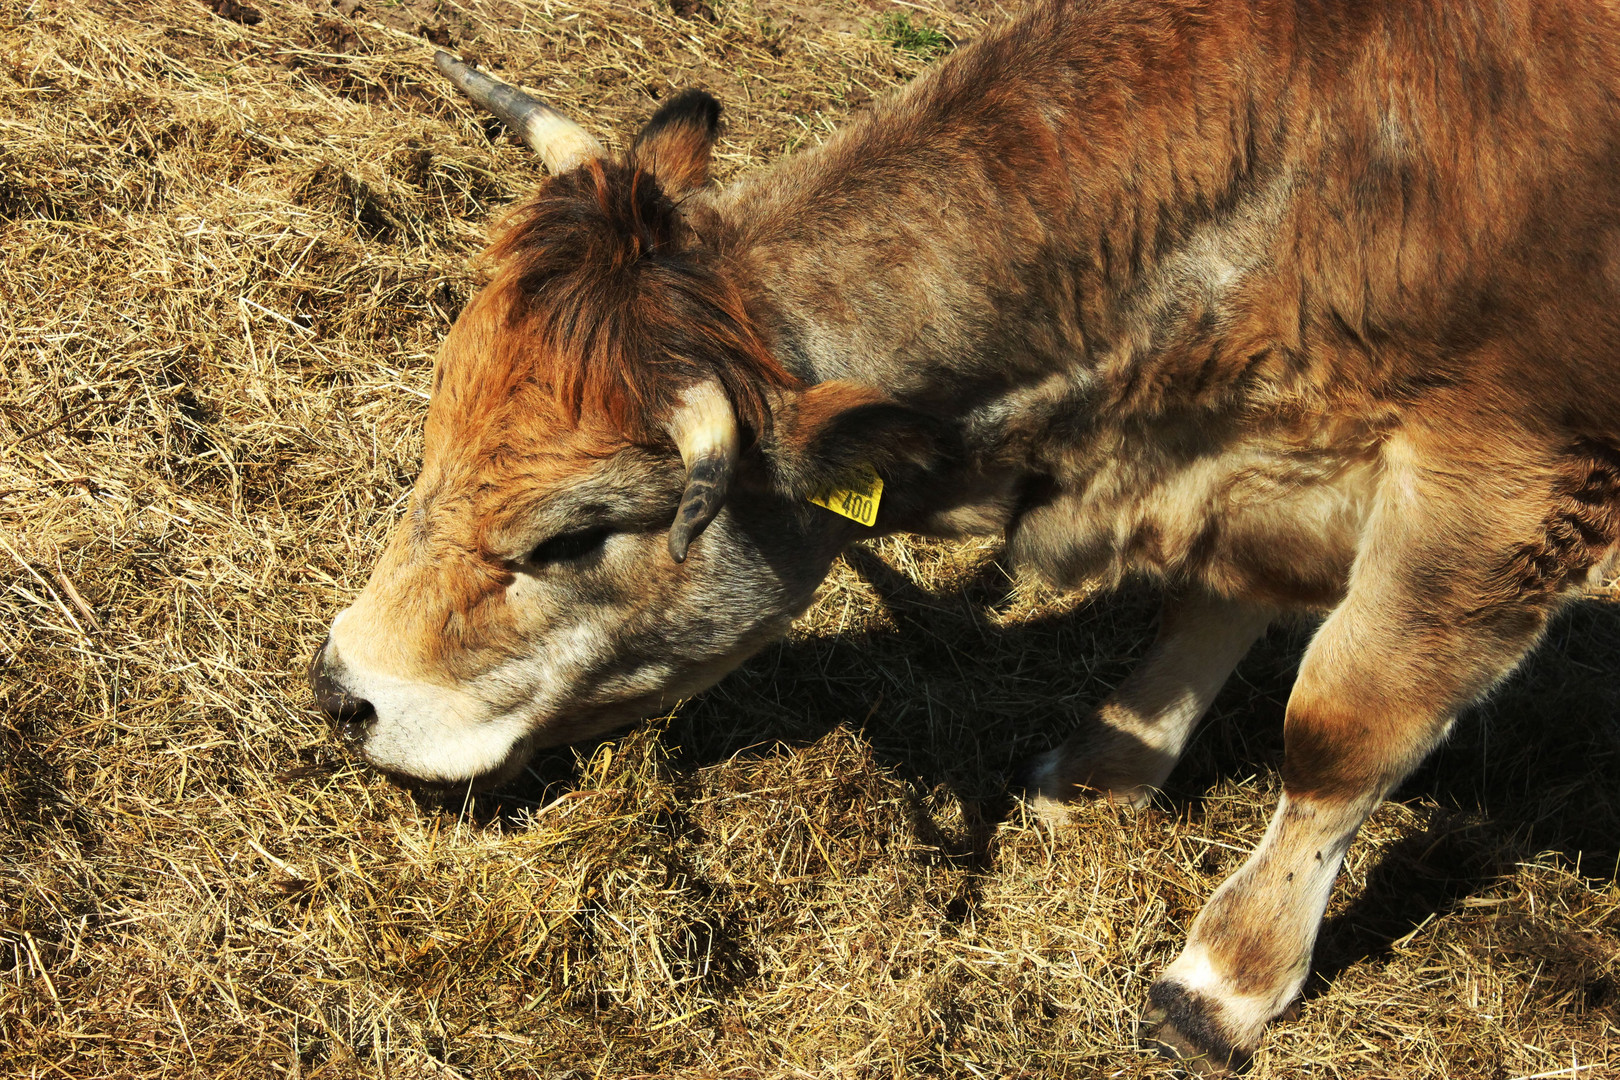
(675, 144)
(612, 306)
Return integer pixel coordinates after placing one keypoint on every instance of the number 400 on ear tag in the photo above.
(854, 494)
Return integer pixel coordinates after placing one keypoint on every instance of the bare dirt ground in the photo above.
(233, 234)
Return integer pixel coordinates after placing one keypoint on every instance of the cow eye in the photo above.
(568, 546)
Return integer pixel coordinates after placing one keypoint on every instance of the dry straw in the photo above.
(233, 235)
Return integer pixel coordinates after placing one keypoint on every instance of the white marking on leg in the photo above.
(1201, 639)
(1276, 898)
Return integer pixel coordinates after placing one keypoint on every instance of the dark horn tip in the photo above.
(680, 538)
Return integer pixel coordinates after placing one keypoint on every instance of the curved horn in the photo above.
(705, 430)
(561, 143)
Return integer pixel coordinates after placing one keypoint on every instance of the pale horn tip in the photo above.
(561, 143)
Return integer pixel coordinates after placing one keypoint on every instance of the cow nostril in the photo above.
(346, 709)
(350, 716)
(349, 713)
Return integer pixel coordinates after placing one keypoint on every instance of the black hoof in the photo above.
(1182, 1025)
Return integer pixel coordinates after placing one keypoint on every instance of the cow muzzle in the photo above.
(351, 716)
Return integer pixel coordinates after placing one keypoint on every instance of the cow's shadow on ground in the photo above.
(946, 695)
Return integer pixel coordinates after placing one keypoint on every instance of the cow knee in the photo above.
(1351, 746)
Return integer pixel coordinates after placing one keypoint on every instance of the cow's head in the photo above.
(610, 513)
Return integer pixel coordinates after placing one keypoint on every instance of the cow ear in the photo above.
(675, 144)
(822, 434)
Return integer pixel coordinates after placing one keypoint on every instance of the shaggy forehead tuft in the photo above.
(608, 301)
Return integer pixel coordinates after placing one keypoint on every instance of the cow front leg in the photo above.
(1249, 951)
(1125, 750)
(1372, 698)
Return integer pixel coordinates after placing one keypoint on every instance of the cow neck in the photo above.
(955, 245)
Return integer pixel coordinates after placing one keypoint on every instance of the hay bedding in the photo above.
(233, 234)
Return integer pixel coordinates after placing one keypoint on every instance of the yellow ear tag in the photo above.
(854, 495)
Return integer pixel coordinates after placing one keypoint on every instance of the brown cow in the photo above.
(1301, 305)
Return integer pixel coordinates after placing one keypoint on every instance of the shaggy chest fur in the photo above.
(1268, 519)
